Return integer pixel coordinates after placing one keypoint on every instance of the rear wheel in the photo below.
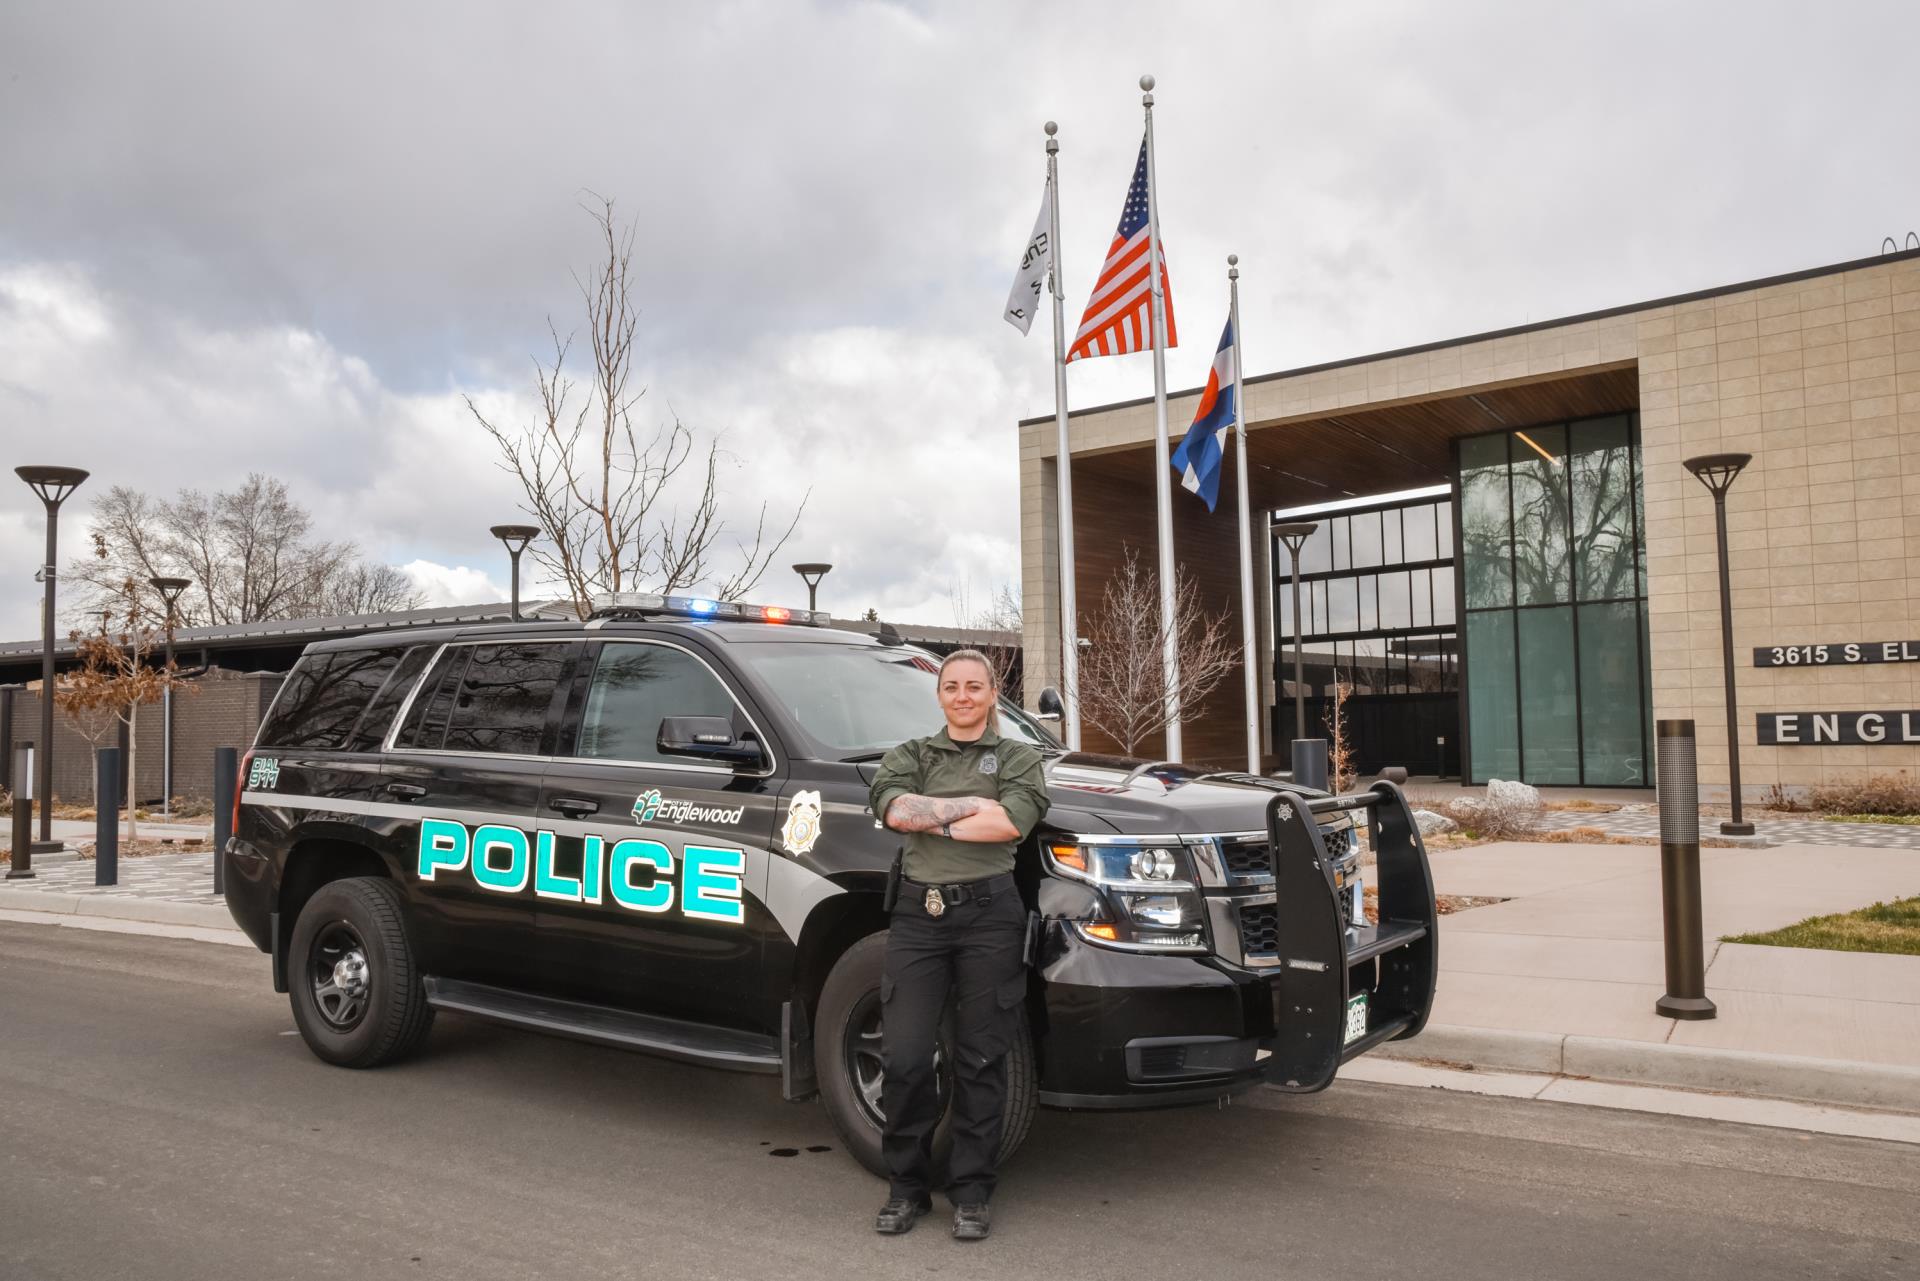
(846, 1041)
(356, 993)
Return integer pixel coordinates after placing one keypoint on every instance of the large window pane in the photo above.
(325, 695)
(1486, 525)
(1396, 604)
(1316, 553)
(1540, 563)
(1390, 541)
(1421, 543)
(1342, 543)
(1443, 529)
(1343, 605)
(1365, 528)
(1601, 464)
(1610, 731)
(1443, 602)
(1492, 718)
(637, 686)
(1549, 714)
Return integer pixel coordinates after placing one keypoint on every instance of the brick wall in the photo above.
(218, 709)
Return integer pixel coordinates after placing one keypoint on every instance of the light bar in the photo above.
(703, 607)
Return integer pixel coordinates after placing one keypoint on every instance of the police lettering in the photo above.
(634, 872)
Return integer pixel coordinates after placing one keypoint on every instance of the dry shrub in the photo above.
(1878, 794)
(1490, 820)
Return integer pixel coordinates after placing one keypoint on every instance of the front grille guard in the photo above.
(1318, 951)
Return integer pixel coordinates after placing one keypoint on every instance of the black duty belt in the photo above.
(936, 899)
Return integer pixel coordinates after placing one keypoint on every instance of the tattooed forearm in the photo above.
(928, 813)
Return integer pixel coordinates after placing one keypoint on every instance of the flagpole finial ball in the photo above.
(1233, 260)
(1052, 128)
(1146, 84)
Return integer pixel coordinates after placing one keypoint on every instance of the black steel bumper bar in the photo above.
(1323, 962)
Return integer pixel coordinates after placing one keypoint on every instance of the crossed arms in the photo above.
(971, 818)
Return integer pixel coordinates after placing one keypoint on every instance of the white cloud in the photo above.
(452, 584)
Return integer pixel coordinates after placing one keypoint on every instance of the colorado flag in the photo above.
(1198, 457)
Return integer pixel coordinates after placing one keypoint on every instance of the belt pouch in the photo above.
(892, 893)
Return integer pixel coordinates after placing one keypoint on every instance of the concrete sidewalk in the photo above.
(1563, 976)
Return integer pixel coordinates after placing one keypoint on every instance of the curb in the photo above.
(212, 916)
(1690, 1067)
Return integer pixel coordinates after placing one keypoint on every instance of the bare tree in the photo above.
(1001, 613)
(1122, 682)
(249, 552)
(603, 496)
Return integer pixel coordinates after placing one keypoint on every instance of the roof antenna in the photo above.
(888, 636)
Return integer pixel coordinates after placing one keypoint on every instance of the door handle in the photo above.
(576, 806)
(406, 791)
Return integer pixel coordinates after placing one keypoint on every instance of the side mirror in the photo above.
(1051, 708)
(709, 738)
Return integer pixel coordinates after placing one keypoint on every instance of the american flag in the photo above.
(1118, 318)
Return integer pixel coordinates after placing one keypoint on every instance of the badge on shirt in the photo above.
(989, 764)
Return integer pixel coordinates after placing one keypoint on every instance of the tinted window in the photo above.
(636, 686)
(486, 698)
(375, 721)
(324, 696)
(500, 703)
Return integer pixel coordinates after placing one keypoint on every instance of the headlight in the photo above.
(1148, 901)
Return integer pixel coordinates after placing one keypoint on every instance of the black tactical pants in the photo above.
(973, 951)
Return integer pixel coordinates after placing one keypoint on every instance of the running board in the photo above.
(701, 1043)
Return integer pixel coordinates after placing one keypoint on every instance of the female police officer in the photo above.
(965, 797)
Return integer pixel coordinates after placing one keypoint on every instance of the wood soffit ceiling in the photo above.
(1382, 448)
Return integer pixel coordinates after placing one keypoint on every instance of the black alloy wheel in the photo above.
(357, 994)
(338, 970)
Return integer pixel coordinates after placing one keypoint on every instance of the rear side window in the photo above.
(487, 698)
(378, 717)
(635, 686)
(324, 696)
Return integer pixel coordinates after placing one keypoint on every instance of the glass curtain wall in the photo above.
(1553, 594)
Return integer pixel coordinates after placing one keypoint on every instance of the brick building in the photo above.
(1542, 583)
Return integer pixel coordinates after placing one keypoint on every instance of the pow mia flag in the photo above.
(1024, 298)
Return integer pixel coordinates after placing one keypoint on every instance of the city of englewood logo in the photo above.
(650, 807)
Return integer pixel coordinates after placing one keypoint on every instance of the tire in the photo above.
(356, 992)
(846, 1052)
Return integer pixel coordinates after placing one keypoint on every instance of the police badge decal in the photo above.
(802, 827)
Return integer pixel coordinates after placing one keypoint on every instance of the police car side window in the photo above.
(323, 697)
(635, 686)
(500, 703)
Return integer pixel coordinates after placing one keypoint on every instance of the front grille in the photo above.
(1259, 929)
(1249, 856)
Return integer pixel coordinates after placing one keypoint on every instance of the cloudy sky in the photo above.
(289, 238)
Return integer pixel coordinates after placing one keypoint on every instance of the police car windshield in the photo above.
(855, 700)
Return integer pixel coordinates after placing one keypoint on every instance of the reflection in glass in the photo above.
(1540, 567)
(1365, 529)
(1443, 603)
(1420, 541)
(1486, 525)
(1603, 509)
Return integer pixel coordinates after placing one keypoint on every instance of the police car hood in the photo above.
(1129, 797)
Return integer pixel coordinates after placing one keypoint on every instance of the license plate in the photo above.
(1356, 1017)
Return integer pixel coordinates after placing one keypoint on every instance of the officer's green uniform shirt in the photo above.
(1000, 769)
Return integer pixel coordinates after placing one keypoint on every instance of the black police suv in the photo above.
(650, 830)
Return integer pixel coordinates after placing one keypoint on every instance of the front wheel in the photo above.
(357, 996)
(846, 1058)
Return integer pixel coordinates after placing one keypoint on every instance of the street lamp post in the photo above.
(170, 590)
(516, 537)
(1295, 536)
(812, 572)
(53, 485)
(1717, 472)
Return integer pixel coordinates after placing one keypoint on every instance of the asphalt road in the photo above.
(159, 1119)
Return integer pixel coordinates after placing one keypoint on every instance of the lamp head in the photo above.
(811, 572)
(516, 537)
(1295, 534)
(1717, 471)
(170, 588)
(53, 484)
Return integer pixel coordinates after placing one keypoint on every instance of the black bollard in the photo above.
(106, 816)
(20, 868)
(226, 780)
(1677, 775)
(1310, 762)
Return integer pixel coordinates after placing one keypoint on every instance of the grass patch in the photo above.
(1904, 820)
(1885, 927)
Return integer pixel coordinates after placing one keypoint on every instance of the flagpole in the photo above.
(1250, 688)
(1063, 468)
(1162, 488)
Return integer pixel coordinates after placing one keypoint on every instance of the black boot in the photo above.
(898, 1215)
(972, 1222)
